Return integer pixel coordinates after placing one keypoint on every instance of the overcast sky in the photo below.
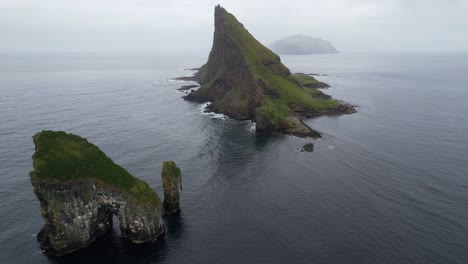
(182, 25)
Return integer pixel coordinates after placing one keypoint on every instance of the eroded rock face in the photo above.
(76, 213)
(79, 189)
(172, 184)
(246, 81)
(225, 79)
(309, 147)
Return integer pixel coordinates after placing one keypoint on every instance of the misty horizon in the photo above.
(144, 26)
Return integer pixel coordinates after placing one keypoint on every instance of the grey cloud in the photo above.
(181, 25)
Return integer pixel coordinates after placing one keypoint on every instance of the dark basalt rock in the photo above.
(172, 184)
(78, 212)
(187, 78)
(309, 147)
(246, 81)
(344, 108)
(79, 189)
(187, 87)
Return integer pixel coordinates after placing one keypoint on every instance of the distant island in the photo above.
(246, 81)
(302, 45)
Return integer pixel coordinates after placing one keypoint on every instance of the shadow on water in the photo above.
(175, 226)
(231, 138)
(230, 147)
(111, 248)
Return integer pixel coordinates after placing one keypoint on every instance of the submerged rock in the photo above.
(246, 81)
(187, 87)
(309, 147)
(79, 189)
(172, 184)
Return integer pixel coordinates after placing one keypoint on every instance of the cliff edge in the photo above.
(246, 81)
(80, 189)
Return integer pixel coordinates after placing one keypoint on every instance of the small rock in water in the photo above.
(309, 147)
(187, 87)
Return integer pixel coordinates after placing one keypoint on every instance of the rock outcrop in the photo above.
(80, 189)
(246, 81)
(172, 184)
(302, 45)
(309, 147)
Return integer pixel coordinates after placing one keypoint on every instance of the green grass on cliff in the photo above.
(305, 79)
(170, 169)
(277, 112)
(291, 95)
(254, 52)
(292, 98)
(63, 157)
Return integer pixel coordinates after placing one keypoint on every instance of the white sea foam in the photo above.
(202, 108)
(177, 81)
(251, 126)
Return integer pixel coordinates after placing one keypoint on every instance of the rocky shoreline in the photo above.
(244, 80)
(300, 130)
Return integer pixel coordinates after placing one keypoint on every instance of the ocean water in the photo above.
(388, 184)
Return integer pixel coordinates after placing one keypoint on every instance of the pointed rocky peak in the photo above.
(245, 80)
(254, 52)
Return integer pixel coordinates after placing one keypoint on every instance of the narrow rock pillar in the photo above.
(172, 184)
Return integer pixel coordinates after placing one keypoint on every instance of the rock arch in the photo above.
(79, 189)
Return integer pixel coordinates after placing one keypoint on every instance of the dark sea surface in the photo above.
(388, 184)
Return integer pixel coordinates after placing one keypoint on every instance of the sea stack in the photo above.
(246, 81)
(172, 184)
(79, 189)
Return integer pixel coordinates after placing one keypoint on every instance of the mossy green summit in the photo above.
(246, 80)
(64, 157)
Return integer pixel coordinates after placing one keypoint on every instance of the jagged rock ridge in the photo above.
(245, 80)
(80, 189)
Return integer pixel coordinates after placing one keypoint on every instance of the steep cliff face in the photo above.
(78, 212)
(226, 79)
(172, 184)
(246, 80)
(80, 188)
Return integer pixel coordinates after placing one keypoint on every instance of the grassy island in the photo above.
(290, 92)
(246, 80)
(64, 157)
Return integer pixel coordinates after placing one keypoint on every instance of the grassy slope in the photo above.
(170, 169)
(62, 157)
(305, 79)
(292, 97)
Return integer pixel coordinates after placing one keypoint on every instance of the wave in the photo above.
(202, 108)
